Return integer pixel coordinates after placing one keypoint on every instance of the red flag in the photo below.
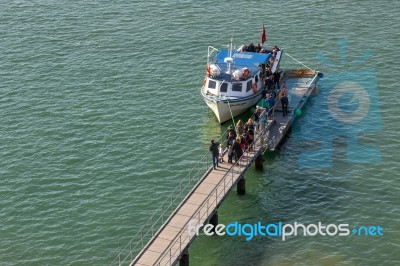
(263, 35)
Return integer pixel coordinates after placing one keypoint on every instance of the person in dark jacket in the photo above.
(251, 48)
(231, 130)
(268, 72)
(269, 83)
(250, 138)
(230, 138)
(237, 150)
(230, 153)
(285, 103)
(215, 153)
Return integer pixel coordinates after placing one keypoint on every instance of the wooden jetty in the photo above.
(165, 238)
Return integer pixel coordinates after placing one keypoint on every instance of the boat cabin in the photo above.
(233, 88)
(236, 73)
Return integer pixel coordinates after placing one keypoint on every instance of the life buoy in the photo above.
(246, 73)
(208, 70)
(254, 88)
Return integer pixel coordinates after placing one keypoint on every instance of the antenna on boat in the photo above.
(230, 52)
(229, 59)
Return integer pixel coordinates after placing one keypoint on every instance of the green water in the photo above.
(101, 117)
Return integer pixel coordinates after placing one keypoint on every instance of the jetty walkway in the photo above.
(166, 236)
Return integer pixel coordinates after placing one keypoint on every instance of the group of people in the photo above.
(253, 48)
(272, 79)
(239, 139)
(258, 48)
(269, 97)
(272, 86)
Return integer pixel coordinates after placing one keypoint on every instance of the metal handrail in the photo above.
(257, 145)
(212, 49)
(153, 225)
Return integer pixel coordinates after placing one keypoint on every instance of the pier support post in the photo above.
(241, 186)
(259, 162)
(214, 219)
(184, 260)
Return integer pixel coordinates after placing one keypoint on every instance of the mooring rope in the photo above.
(234, 125)
(298, 61)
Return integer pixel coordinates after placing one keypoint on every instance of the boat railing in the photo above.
(210, 51)
(163, 213)
(206, 209)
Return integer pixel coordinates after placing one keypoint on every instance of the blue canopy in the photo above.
(240, 60)
(243, 59)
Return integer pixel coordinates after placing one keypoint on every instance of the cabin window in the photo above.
(237, 86)
(212, 84)
(249, 83)
(224, 87)
(256, 78)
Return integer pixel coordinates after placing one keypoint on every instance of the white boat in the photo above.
(235, 78)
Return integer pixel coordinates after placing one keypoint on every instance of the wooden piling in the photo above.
(214, 219)
(259, 162)
(241, 186)
(184, 260)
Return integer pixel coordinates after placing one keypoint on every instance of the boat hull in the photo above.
(224, 109)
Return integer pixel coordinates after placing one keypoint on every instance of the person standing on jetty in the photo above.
(237, 150)
(215, 153)
(277, 78)
(221, 153)
(285, 103)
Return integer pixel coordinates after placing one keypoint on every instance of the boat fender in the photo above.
(246, 73)
(208, 70)
(254, 88)
(320, 75)
(204, 82)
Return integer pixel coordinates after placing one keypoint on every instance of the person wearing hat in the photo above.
(214, 152)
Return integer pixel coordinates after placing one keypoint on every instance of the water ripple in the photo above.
(101, 118)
